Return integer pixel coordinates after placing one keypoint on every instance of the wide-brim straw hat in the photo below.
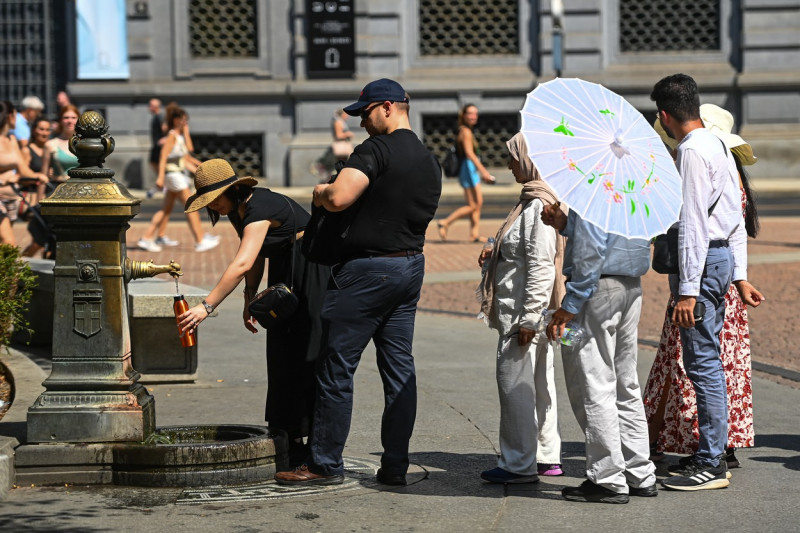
(212, 178)
(719, 122)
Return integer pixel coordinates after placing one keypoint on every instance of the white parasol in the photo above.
(601, 157)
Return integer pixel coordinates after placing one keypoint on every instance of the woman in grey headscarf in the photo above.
(522, 279)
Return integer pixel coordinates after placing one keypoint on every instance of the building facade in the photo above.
(241, 68)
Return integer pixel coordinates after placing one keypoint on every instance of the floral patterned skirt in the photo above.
(668, 382)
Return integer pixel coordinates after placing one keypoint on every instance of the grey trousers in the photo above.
(528, 409)
(603, 386)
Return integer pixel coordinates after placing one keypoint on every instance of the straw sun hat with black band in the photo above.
(211, 179)
(719, 122)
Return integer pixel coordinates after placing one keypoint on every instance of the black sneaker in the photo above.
(591, 492)
(682, 468)
(700, 477)
(644, 492)
(731, 459)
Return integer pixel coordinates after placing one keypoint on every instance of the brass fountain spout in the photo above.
(147, 269)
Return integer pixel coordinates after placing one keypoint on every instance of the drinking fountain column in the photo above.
(92, 394)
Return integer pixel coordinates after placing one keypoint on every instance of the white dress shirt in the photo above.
(709, 172)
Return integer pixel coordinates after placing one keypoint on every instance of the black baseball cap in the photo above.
(381, 90)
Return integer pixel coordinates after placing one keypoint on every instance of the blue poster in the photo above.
(102, 40)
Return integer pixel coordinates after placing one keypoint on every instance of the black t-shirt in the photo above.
(405, 182)
(155, 130)
(268, 205)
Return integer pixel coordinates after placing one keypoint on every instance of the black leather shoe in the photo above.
(390, 479)
(591, 492)
(643, 492)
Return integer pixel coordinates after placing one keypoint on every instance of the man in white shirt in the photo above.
(32, 107)
(712, 251)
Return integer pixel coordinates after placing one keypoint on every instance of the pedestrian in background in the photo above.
(59, 158)
(31, 108)
(62, 101)
(13, 168)
(471, 173)
(173, 177)
(157, 133)
(522, 277)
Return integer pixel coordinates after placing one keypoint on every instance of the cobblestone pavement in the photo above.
(452, 275)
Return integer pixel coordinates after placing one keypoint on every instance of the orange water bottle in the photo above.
(180, 306)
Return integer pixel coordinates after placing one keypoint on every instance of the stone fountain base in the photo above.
(184, 456)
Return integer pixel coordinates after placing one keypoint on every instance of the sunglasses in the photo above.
(368, 110)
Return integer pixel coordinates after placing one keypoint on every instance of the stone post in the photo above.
(92, 394)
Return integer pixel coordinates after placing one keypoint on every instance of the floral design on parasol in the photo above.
(601, 157)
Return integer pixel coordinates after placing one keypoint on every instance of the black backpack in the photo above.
(451, 163)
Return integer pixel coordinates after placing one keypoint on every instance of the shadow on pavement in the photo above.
(38, 519)
(782, 441)
(455, 474)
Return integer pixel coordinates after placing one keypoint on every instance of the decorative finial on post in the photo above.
(91, 145)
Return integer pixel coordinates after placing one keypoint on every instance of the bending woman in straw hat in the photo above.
(669, 399)
(523, 278)
(266, 222)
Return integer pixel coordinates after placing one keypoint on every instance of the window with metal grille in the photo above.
(468, 27)
(223, 28)
(663, 26)
(491, 133)
(245, 153)
(26, 53)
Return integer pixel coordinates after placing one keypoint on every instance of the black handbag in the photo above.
(665, 252)
(273, 306)
(665, 248)
(276, 304)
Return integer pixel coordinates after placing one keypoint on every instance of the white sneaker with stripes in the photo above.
(696, 476)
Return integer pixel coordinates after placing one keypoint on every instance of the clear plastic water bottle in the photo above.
(573, 333)
(487, 246)
(152, 191)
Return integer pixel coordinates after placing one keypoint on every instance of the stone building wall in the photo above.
(745, 55)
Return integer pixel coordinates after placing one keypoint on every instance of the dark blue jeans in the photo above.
(370, 298)
(701, 357)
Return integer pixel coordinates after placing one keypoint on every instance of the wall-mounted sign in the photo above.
(102, 40)
(331, 38)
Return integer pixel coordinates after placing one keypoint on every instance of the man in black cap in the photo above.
(391, 186)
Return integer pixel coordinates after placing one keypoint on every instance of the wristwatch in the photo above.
(208, 306)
